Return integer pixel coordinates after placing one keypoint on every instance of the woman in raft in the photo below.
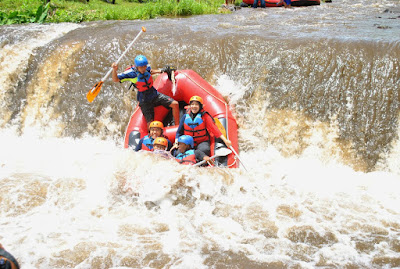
(198, 124)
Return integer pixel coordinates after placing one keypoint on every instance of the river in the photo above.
(315, 91)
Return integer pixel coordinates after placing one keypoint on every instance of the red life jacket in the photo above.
(144, 81)
(196, 128)
(186, 158)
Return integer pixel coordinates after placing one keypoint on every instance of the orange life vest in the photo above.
(196, 128)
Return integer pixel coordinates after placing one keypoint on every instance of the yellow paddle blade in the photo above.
(220, 126)
(94, 91)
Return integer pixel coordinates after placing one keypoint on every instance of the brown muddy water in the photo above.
(315, 91)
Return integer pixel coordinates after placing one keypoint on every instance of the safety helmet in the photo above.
(196, 98)
(156, 124)
(141, 60)
(186, 139)
(161, 141)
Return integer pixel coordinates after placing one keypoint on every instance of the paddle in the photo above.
(173, 82)
(97, 87)
(219, 153)
(237, 155)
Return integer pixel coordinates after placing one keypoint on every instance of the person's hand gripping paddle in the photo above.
(97, 87)
(219, 153)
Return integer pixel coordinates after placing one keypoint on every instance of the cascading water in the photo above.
(316, 94)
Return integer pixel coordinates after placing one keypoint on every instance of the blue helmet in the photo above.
(186, 139)
(141, 60)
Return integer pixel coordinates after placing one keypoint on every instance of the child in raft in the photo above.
(185, 153)
(156, 129)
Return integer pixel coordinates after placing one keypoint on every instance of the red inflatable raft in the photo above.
(276, 3)
(187, 84)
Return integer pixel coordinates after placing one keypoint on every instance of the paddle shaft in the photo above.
(237, 155)
(203, 161)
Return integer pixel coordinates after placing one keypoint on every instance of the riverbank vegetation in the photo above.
(39, 11)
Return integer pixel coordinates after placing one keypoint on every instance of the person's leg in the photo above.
(168, 102)
(255, 3)
(148, 112)
(262, 3)
(175, 111)
(202, 150)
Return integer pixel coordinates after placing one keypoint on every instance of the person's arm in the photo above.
(168, 69)
(169, 145)
(180, 129)
(121, 77)
(179, 132)
(212, 127)
(139, 146)
(114, 72)
(155, 71)
(227, 142)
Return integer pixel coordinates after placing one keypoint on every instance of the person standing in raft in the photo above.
(185, 153)
(156, 129)
(7, 261)
(255, 3)
(198, 124)
(148, 97)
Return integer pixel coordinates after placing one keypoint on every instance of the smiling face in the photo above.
(194, 107)
(155, 132)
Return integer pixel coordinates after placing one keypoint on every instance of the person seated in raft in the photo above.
(7, 261)
(185, 153)
(160, 146)
(148, 97)
(198, 124)
(156, 129)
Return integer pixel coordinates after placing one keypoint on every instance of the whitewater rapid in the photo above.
(317, 109)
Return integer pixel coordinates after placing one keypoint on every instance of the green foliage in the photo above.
(80, 11)
(41, 13)
(26, 16)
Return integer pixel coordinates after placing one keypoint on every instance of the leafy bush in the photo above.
(80, 11)
(26, 16)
